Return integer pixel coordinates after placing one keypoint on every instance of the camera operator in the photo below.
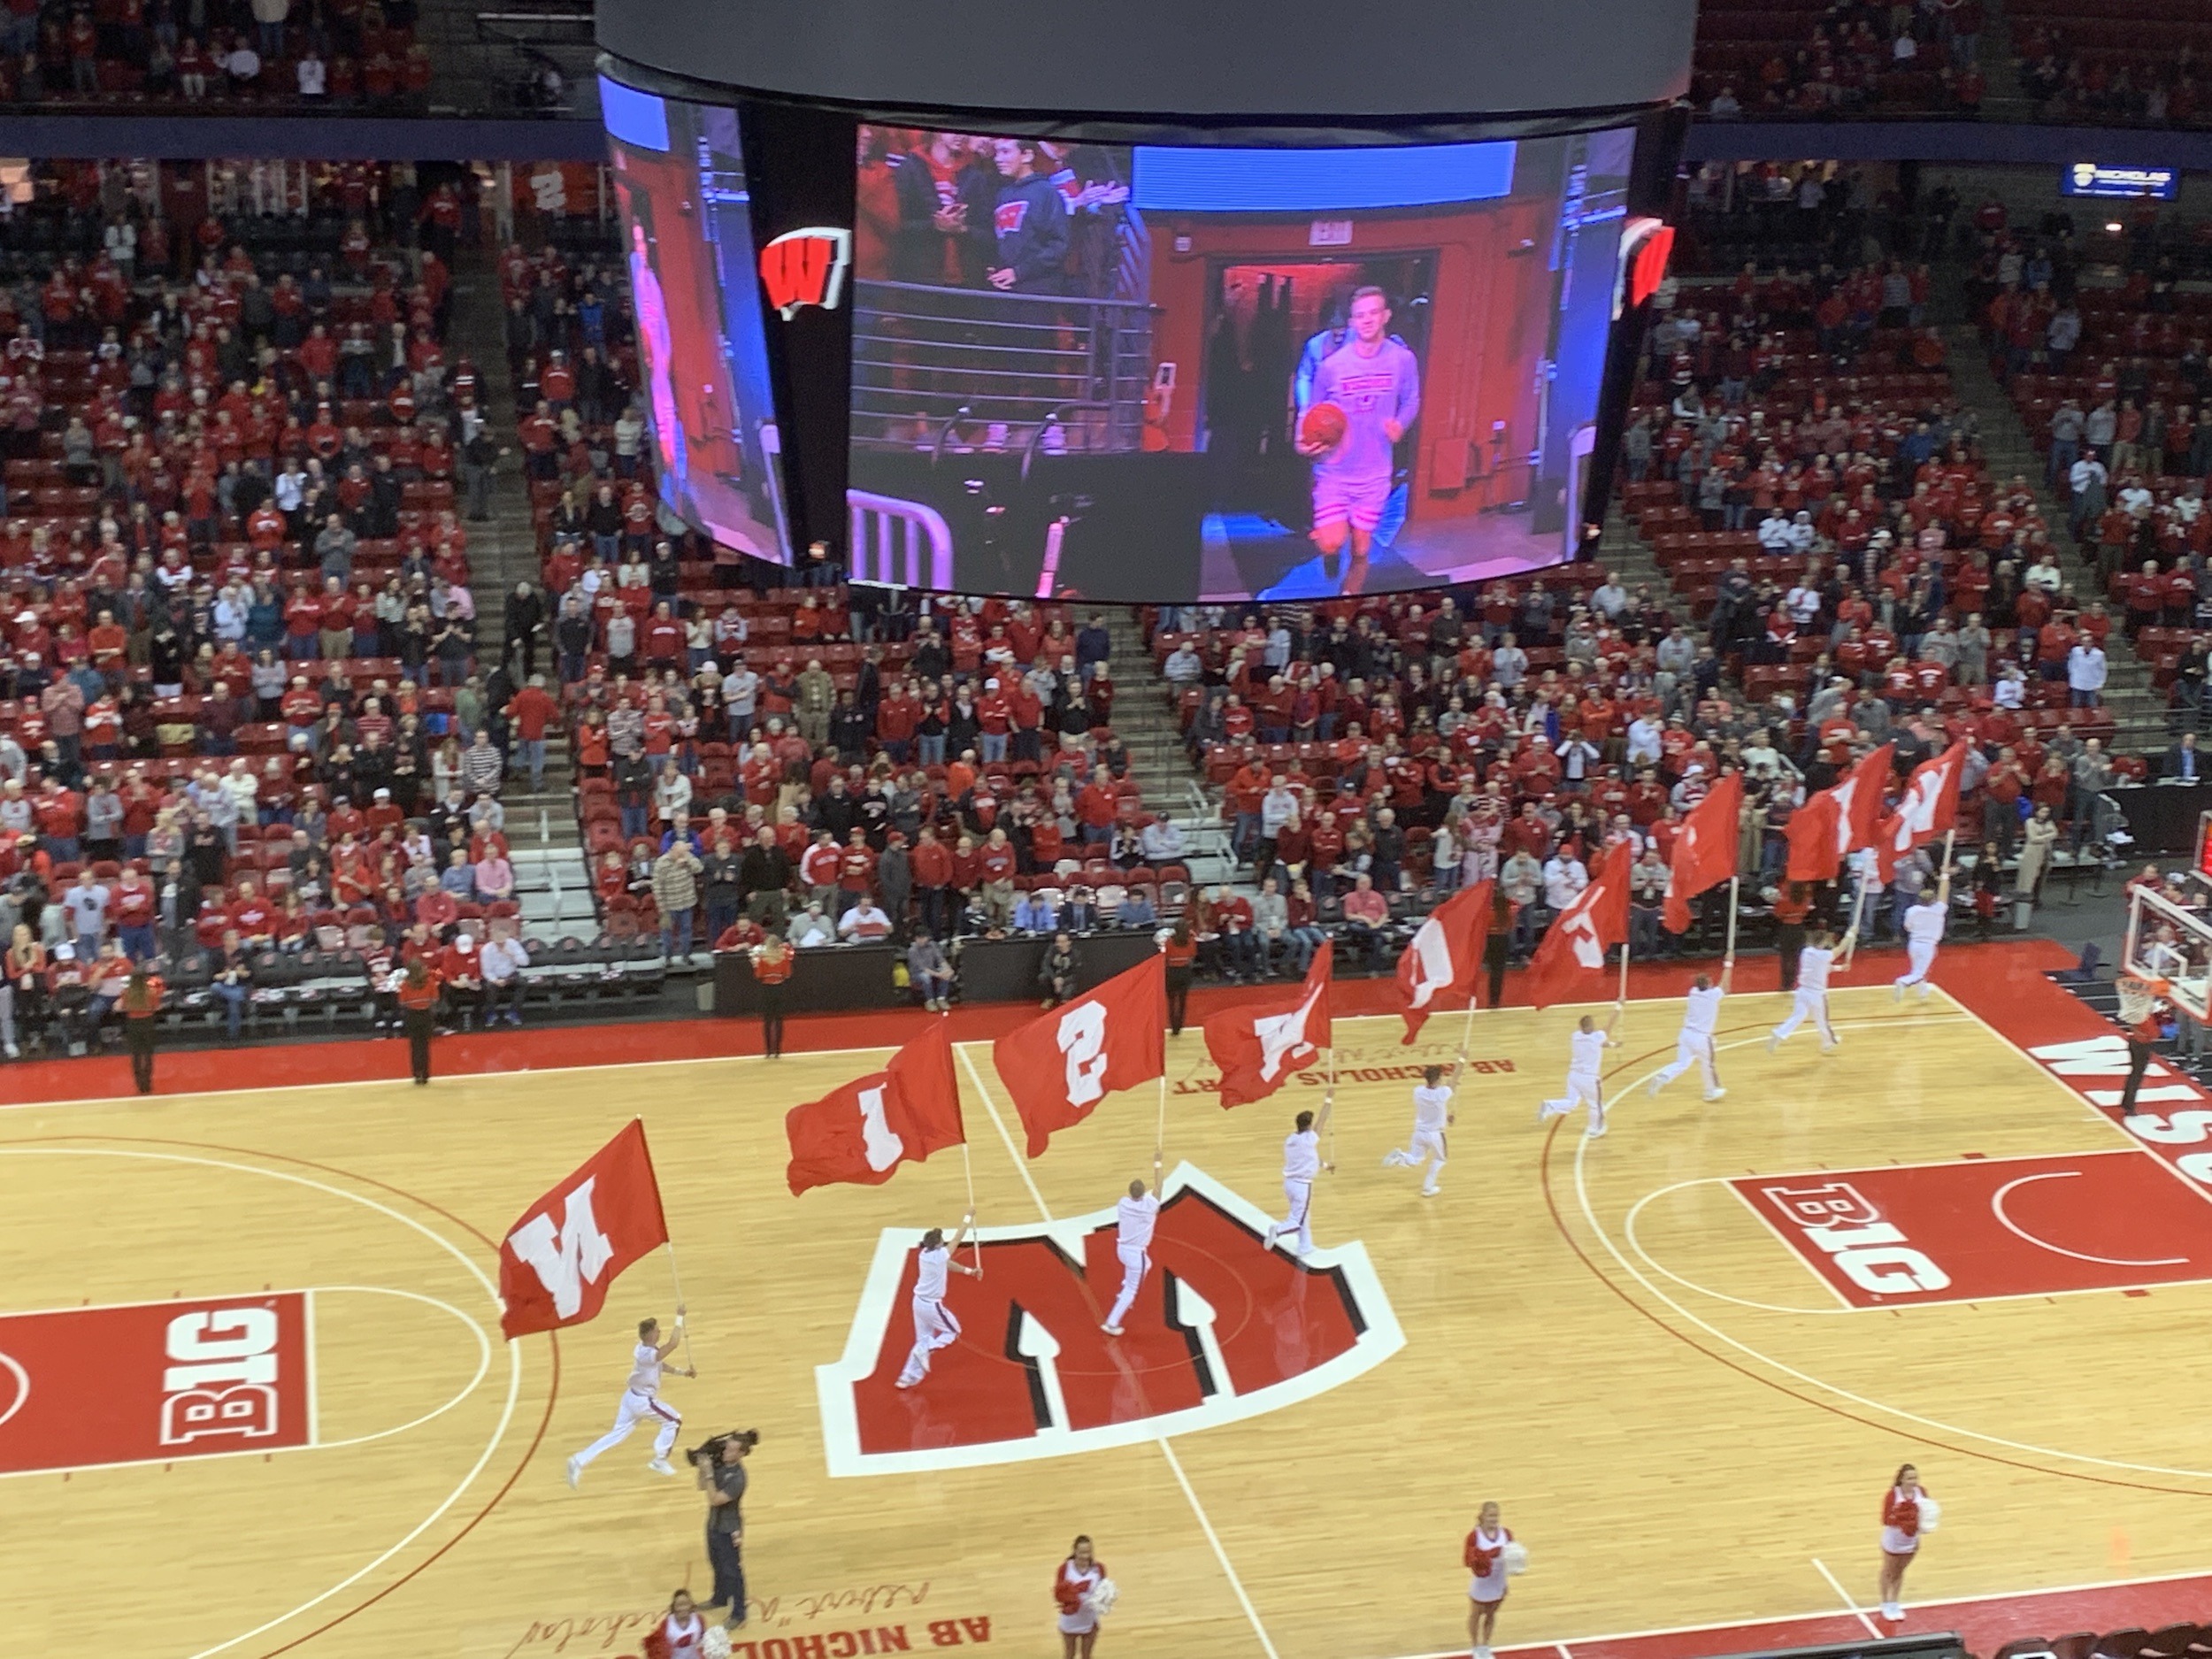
(720, 1464)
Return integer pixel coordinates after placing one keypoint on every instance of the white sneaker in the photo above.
(1897, 992)
(1892, 1612)
(908, 1383)
(1773, 1042)
(1548, 1111)
(1110, 1330)
(1831, 1045)
(1429, 1192)
(1393, 1158)
(1593, 1132)
(576, 1471)
(1926, 990)
(1715, 1094)
(1657, 1083)
(661, 1466)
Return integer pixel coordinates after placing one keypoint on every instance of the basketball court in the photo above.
(251, 1376)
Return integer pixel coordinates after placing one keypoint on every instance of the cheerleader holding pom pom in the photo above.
(1907, 1513)
(1493, 1557)
(1085, 1595)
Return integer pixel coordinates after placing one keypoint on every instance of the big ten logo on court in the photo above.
(157, 1382)
(222, 1375)
(806, 267)
(1847, 1229)
(1223, 1328)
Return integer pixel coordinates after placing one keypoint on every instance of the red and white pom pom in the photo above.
(1101, 1599)
(1931, 1513)
(715, 1644)
(1515, 1559)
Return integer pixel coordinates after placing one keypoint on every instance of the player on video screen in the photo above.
(655, 345)
(1373, 383)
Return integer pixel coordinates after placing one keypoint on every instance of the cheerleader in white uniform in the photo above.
(1076, 1589)
(1486, 1591)
(681, 1635)
(1924, 932)
(1907, 1512)
(1585, 1084)
(934, 1326)
(1432, 1114)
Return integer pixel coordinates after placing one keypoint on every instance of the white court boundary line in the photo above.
(1848, 1600)
(1165, 1442)
(1933, 1424)
(520, 1072)
(514, 1372)
(1767, 1620)
(1997, 1208)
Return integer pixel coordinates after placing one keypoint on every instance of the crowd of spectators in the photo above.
(2120, 62)
(256, 52)
(239, 708)
(1840, 60)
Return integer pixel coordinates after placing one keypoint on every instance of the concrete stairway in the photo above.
(1145, 719)
(2138, 709)
(553, 884)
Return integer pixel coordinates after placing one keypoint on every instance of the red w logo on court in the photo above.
(1223, 1329)
(806, 267)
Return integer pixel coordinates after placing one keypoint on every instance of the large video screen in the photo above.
(1220, 373)
(679, 185)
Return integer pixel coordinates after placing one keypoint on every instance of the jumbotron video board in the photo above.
(1055, 366)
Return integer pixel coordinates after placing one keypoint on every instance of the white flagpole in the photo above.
(677, 1279)
(1159, 1137)
(1728, 958)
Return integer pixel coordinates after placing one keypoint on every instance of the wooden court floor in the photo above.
(1684, 1358)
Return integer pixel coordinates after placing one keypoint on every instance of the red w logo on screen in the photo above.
(806, 267)
(1651, 264)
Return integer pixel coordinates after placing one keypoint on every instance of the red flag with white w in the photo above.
(1704, 850)
(1437, 969)
(1926, 812)
(1839, 819)
(1061, 1064)
(561, 1256)
(1574, 947)
(1258, 1048)
(863, 1132)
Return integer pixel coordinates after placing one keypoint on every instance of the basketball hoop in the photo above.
(2137, 997)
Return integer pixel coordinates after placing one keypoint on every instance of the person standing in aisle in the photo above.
(1181, 951)
(1497, 946)
(419, 984)
(140, 1004)
(772, 961)
(1791, 905)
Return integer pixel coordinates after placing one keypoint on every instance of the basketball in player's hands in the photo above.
(1322, 427)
